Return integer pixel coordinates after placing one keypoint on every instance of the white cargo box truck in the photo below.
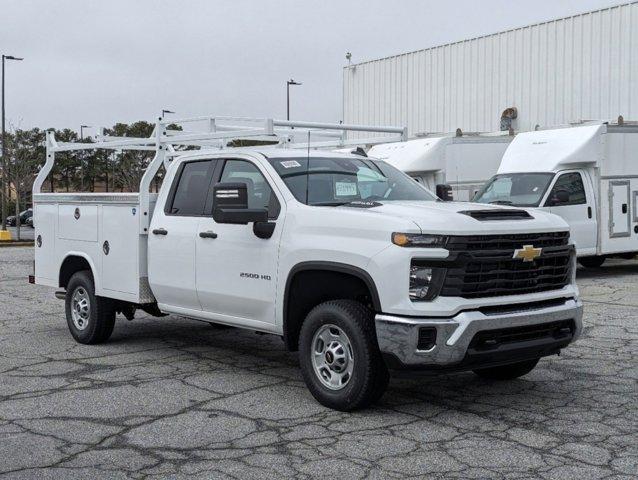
(586, 174)
(464, 162)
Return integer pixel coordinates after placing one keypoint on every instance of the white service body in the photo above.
(603, 221)
(463, 162)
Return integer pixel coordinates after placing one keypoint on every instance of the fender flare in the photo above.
(89, 260)
(332, 267)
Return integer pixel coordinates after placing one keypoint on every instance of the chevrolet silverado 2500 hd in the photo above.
(356, 265)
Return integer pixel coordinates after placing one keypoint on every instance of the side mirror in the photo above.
(444, 192)
(230, 205)
(559, 197)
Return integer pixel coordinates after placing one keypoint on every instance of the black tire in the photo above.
(591, 262)
(100, 319)
(369, 378)
(507, 372)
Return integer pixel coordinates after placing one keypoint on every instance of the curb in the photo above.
(16, 244)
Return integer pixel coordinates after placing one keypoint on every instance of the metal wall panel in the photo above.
(583, 67)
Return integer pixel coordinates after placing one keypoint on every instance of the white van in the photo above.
(463, 162)
(586, 174)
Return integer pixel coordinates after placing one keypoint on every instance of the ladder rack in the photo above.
(210, 132)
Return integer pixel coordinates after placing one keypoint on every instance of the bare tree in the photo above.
(25, 153)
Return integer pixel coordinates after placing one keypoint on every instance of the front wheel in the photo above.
(507, 372)
(339, 356)
(90, 318)
(591, 262)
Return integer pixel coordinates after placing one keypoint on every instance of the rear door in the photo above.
(171, 240)
(576, 205)
(236, 270)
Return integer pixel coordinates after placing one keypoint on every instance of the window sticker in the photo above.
(290, 163)
(345, 189)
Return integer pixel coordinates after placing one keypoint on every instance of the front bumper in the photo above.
(454, 349)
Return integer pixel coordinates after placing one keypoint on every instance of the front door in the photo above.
(173, 231)
(571, 197)
(236, 270)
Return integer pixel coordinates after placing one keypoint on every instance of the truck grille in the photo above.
(484, 266)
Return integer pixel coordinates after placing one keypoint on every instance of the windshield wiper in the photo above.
(327, 204)
(501, 202)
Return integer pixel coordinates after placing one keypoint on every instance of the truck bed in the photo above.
(102, 228)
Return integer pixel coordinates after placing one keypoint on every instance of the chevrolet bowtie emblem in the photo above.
(527, 253)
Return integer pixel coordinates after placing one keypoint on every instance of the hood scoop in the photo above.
(497, 214)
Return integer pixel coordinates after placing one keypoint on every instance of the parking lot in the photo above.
(172, 397)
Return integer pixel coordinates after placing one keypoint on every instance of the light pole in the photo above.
(164, 112)
(82, 127)
(5, 184)
(288, 83)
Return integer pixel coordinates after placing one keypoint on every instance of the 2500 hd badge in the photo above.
(256, 276)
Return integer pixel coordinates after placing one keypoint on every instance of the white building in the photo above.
(576, 68)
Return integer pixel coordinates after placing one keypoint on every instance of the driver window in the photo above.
(260, 195)
(568, 190)
(371, 183)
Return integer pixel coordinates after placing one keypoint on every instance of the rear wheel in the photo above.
(591, 262)
(339, 356)
(90, 318)
(507, 372)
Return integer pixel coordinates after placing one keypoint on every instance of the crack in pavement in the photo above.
(177, 398)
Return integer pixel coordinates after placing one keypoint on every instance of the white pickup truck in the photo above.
(351, 261)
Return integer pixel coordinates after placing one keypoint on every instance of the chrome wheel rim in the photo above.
(332, 357)
(80, 308)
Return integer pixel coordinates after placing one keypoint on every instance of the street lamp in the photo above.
(164, 112)
(288, 83)
(5, 184)
(82, 127)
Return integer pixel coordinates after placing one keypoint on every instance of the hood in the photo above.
(446, 218)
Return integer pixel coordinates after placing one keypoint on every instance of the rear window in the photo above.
(189, 196)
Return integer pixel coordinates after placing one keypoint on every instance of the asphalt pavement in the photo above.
(176, 398)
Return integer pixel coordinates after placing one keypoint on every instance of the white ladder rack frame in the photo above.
(217, 134)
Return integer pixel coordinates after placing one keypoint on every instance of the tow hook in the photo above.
(60, 295)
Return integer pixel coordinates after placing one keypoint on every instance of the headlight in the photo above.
(420, 281)
(418, 240)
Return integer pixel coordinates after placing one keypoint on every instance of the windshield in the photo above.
(518, 189)
(338, 181)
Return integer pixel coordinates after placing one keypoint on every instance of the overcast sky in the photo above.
(98, 62)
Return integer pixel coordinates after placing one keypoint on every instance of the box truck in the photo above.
(462, 161)
(349, 260)
(586, 174)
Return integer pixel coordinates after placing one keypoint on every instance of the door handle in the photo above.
(588, 212)
(208, 234)
(159, 231)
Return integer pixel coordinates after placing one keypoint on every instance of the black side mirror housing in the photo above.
(230, 205)
(444, 192)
